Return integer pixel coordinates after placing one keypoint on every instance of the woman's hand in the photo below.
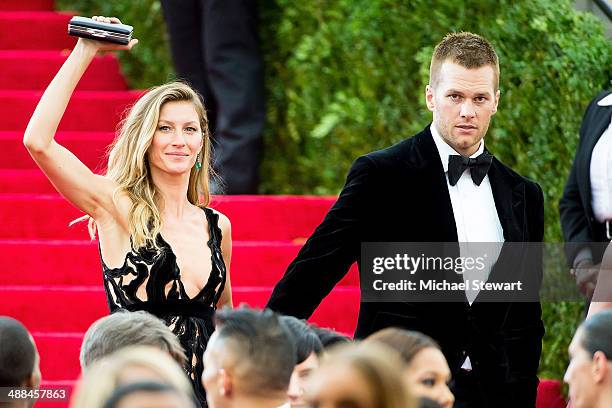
(96, 46)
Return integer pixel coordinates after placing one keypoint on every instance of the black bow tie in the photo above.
(479, 166)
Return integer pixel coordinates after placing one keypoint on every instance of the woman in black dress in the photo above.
(162, 249)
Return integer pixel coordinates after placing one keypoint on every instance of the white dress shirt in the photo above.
(475, 215)
(473, 206)
(601, 172)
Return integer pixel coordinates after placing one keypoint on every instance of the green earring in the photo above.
(198, 164)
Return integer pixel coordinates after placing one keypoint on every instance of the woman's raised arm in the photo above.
(75, 181)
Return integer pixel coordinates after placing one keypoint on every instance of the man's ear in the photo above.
(225, 383)
(600, 367)
(429, 97)
(497, 95)
(33, 381)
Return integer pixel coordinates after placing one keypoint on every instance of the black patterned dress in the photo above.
(189, 318)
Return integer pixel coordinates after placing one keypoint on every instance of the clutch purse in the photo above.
(95, 30)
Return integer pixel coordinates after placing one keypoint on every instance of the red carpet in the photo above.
(52, 280)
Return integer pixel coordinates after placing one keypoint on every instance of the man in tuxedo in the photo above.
(440, 185)
(584, 207)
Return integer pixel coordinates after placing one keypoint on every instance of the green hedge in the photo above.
(345, 77)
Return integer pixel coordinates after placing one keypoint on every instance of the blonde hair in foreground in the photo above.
(105, 375)
(379, 366)
(128, 164)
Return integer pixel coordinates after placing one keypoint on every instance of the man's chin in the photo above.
(467, 142)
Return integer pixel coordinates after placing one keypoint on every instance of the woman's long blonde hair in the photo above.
(128, 164)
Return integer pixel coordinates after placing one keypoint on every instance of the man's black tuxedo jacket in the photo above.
(400, 194)
(577, 219)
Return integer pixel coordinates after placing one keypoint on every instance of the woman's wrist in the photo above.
(85, 48)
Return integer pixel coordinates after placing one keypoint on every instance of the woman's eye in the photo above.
(164, 128)
(428, 382)
(191, 129)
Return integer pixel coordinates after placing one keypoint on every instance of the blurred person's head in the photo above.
(329, 337)
(124, 329)
(127, 366)
(589, 373)
(19, 359)
(248, 360)
(308, 348)
(425, 369)
(148, 394)
(359, 376)
(463, 90)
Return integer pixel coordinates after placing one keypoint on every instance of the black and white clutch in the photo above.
(95, 30)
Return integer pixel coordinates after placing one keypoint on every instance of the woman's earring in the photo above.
(198, 164)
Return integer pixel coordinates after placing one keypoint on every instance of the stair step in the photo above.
(35, 30)
(268, 217)
(25, 181)
(75, 308)
(29, 5)
(87, 110)
(59, 354)
(254, 263)
(35, 69)
(89, 147)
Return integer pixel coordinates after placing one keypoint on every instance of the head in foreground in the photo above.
(425, 370)
(123, 329)
(249, 360)
(359, 376)
(19, 359)
(589, 373)
(129, 366)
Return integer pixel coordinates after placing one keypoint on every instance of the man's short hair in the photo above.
(122, 329)
(596, 334)
(305, 339)
(17, 353)
(262, 346)
(466, 49)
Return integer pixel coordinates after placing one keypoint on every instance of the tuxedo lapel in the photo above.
(434, 182)
(509, 197)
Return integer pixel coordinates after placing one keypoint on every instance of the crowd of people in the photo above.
(173, 339)
(258, 358)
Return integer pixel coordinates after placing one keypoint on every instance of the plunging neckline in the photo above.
(167, 247)
(213, 268)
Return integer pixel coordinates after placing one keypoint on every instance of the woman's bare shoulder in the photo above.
(224, 222)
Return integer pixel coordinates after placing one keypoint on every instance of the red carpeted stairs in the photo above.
(52, 276)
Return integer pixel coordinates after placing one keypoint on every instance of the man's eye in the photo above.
(454, 97)
(480, 99)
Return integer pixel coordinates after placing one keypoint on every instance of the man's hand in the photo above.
(586, 277)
